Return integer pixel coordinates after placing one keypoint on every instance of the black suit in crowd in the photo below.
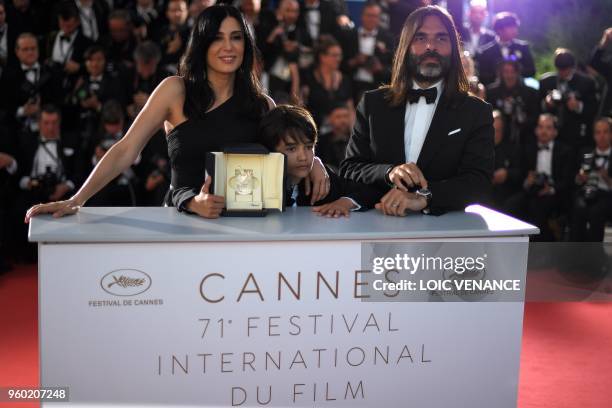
(520, 107)
(8, 187)
(601, 60)
(76, 52)
(329, 11)
(574, 128)
(330, 151)
(539, 209)
(486, 36)
(11, 33)
(490, 55)
(458, 166)
(383, 51)
(46, 90)
(101, 11)
(507, 156)
(591, 211)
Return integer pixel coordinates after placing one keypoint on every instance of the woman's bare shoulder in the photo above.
(172, 86)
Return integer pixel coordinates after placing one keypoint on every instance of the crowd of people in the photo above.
(75, 74)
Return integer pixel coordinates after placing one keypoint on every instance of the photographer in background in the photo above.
(27, 86)
(569, 95)
(369, 52)
(518, 103)
(593, 203)
(601, 61)
(47, 165)
(547, 178)
(281, 40)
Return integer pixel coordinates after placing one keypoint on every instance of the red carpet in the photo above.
(566, 360)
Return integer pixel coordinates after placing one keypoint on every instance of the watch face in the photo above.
(423, 192)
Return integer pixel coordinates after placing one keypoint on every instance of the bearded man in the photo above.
(423, 140)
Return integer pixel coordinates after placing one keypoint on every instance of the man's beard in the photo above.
(429, 72)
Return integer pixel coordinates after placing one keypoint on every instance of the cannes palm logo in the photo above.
(125, 282)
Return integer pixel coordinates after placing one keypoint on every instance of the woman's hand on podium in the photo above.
(57, 208)
(205, 204)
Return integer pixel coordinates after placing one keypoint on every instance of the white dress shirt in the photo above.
(3, 42)
(544, 161)
(417, 121)
(313, 20)
(603, 163)
(367, 46)
(89, 25)
(62, 50)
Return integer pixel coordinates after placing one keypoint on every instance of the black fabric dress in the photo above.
(189, 141)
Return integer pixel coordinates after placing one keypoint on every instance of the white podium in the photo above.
(150, 306)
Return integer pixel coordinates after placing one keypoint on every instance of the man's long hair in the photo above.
(456, 82)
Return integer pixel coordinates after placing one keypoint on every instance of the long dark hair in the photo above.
(199, 96)
(456, 82)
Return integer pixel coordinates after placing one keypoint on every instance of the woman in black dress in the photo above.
(216, 101)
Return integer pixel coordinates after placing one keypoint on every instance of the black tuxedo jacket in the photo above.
(527, 98)
(330, 10)
(489, 56)
(366, 196)
(485, 38)
(79, 46)
(68, 155)
(384, 55)
(458, 166)
(11, 39)
(603, 65)
(571, 122)
(19, 89)
(562, 166)
(101, 12)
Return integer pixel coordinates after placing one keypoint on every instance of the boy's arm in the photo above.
(365, 196)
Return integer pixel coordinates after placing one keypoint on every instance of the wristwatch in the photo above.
(424, 192)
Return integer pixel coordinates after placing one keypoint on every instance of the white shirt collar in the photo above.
(437, 85)
(374, 32)
(603, 152)
(36, 65)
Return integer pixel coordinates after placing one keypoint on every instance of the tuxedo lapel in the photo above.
(436, 135)
(394, 118)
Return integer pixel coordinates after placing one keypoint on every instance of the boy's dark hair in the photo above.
(93, 49)
(287, 123)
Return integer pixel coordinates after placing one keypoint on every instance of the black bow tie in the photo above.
(429, 94)
(367, 35)
(312, 8)
(543, 147)
(65, 38)
(47, 141)
(28, 70)
(601, 156)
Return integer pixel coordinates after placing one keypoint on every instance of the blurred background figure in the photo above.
(474, 34)
(324, 85)
(506, 45)
(331, 146)
(507, 174)
(593, 201)
(601, 61)
(369, 52)
(570, 95)
(518, 103)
